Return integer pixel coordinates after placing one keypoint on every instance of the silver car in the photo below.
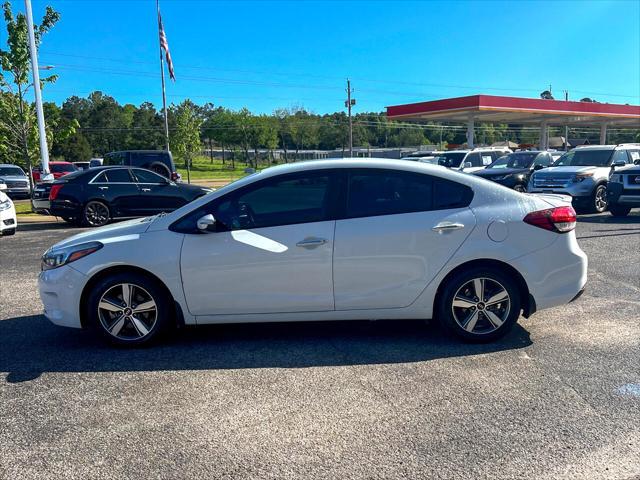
(15, 179)
(584, 174)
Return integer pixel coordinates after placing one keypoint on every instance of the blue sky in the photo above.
(265, 55)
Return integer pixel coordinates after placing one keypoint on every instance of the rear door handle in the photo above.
(447, 226)
(146, 189)
(103, 188)
(311, 242)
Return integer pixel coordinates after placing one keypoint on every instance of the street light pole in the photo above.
(44, 150)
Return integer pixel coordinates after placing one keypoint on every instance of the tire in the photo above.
(474, 320)
(96, 214)
(8, 232)
(618, 211)
(71, 220)
(160, 169)
(118, 320)
(520, 188)
(599, 199)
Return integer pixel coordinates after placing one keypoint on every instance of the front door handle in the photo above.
(103, 188)
(311, 242)
(146, 189)
(447, 226)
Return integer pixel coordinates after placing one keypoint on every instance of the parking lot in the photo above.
(559, 397)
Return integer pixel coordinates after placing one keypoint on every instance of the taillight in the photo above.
(55, 189)
(558, 219)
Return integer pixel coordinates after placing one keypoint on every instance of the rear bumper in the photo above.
(40, 205)
(618, 195)
(556, 274)
(64, 209)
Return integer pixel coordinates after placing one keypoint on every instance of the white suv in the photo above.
(471, 160)
(584, 174)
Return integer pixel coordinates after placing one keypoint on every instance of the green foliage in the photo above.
(185, 137)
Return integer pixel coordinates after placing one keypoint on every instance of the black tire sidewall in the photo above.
(84, 214)
(445, 316)
(618, 211)
(159, 294)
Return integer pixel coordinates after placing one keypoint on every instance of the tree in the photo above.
(17, 116)
(185, 139)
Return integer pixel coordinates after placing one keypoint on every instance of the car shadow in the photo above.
(31, 345)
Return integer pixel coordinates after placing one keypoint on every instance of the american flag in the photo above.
(164, 45)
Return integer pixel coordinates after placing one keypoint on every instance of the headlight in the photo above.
(56, 257)
(6, 205)
(616, 178)
(581, 176)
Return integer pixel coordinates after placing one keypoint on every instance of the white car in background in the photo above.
(8, 219)
(324, 240)
(471, 160)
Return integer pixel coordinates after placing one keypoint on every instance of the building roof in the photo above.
(496, 109)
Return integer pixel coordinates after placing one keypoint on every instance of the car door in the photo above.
(271, 251)
(400, 229)
(115, 186)
(157, 194)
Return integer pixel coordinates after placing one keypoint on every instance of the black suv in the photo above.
(514, 169)
(159, 161)
(623, 190)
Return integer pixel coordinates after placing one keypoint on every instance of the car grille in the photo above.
(548, 181)
(16, 184)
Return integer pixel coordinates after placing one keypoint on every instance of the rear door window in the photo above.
(475, 159)
(116, 175)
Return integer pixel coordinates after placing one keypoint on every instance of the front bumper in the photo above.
(22, 192)
(60, 290)
(8, 219)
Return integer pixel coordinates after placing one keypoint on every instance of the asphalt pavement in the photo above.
(557, 398)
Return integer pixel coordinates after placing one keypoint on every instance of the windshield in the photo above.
(584, 158)
(17, 171)
(515, 160)
(63, 167)
(450, 159)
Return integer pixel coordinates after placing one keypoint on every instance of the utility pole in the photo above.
(44, 149)
(566, 127)
(350, 102)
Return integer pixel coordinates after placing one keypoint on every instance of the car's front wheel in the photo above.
(479, 304)
(129, 309)
(618, 211)
(520, 188)
(96, 214)
(599, 199)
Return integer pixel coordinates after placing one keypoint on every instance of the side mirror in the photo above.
(467, 165)
(206, 223)
(618, 163)
(538, 167)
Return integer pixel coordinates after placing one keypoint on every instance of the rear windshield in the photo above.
(450, 159)
(515, 160)
(63, 167)
(584, 158)
(17, 171)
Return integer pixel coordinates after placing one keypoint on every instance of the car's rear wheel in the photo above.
(96, 214)
(618, 211)
(599, 199)
(520, 188)
(480, 304)
(129, 309)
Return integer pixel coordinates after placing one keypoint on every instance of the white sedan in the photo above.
(8, 219)
(324, 240)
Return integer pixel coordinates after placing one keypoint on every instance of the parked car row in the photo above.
(318, 240)
(95, 196)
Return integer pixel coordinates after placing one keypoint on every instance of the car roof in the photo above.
(10, 165)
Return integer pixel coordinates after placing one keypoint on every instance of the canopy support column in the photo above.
(470, 127)
(603, 134)
(544, 136)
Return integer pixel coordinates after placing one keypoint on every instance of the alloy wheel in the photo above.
(481, 305)
(96, 214)
(127, 311)
(601, 199)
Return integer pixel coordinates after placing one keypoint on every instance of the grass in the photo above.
(204, 169)
(23, 208)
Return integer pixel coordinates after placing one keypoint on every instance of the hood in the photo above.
(109, 232)
(500, 172)
(568, 170)
(3, 196)
(13, 178)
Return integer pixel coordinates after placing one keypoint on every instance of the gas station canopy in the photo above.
(495, 109)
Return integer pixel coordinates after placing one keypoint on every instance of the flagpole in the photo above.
(164, 94)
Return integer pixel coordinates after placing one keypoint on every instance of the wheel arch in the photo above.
(116, 269)
(162, 165)
(528, 302)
